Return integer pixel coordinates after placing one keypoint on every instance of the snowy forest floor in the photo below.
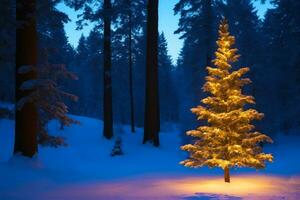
(85, 170)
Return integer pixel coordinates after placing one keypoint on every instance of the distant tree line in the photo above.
(269, 46)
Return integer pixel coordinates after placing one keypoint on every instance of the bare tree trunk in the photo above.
(226, 175)
(152, 121)
(26, 55)
(130, 68)
(107, 103)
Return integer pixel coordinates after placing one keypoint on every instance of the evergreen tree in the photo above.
(139, 52)
(82, 49)
(54, 58)
(128, 25)
(168, 97)
(51, 34)
(152, 118)
(195, 26)
(120, 55)
(107, 96)
(102, 14)
(49, 100)
(130, 67)
(117, 149)
(26, 57)
(281, 30)
(129, 78)
(94, 67)
(246, 26)
(79, 67)
(7, 50)
(7, 31)
(228, 140)
(88, 65)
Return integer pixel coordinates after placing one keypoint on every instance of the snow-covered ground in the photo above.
(85, 170)
(7, 105)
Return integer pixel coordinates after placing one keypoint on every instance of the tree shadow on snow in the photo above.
(204, 196)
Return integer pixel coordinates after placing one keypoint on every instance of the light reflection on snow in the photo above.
(242, 187)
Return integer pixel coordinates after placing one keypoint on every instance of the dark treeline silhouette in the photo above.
(279, 75)
(268, 47)
(194, 27)
(126, 28)
(89, 65)
(113, 84)
(7, 50)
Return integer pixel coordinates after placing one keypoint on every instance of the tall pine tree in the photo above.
(107, 96)
(102, 14)
(246, 27)
(7, 50)
(152, 118)
(129, 44)
(26, 61)
(168, 96)
(54, 58)
(195, 27)
(281, 31)
(129, 23)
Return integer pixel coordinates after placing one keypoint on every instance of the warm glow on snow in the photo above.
(241, 186)
(245, 187)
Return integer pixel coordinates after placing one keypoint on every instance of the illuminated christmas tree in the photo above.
(228, 139)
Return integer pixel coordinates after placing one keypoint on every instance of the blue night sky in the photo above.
(167, 23)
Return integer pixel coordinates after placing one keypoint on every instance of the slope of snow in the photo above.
(7, 105)
(6, 134)
(6, 139)
(85, 170)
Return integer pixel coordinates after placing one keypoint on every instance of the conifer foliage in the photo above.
(228, 139)
(50, 101)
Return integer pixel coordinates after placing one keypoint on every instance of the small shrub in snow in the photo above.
(117, 150)
(6, 113)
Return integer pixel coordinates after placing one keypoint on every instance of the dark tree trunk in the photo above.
(107, 103)
(26, 54)
(226, 175)
(152, 122)
(130, 67)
